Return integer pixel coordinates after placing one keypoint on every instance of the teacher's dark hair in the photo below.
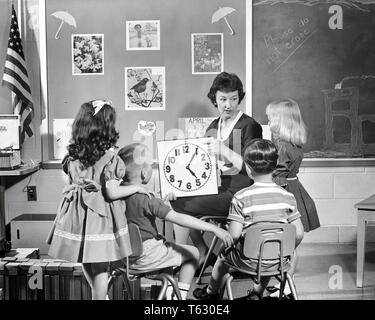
(261, 155)
(226, 82)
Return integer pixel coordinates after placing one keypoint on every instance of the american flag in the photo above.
(16, 79)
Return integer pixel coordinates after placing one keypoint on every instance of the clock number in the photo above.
(197, 182)
(179, 183)
(203, 155)
(186, 149)
(168, 169)
(204, 176)
(188, 185)
(171, 178)
(207, 166)
(196, 151)
(171, 159)
(177, 152)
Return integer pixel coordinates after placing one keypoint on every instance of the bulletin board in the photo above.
(185, 92)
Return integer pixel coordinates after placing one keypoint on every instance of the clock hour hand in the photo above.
(191, 171)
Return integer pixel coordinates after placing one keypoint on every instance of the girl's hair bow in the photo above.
(98, 104)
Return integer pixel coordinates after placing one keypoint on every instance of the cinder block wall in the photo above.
(334, 190)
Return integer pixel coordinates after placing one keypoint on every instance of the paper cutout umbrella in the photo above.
(66, 17)
(222, 13)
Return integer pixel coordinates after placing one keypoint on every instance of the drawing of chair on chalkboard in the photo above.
(367, 134)
(341, 120)
(348, 127)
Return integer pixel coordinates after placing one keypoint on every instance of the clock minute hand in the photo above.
(188, 166)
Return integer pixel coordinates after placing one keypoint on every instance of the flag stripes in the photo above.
(16, 78)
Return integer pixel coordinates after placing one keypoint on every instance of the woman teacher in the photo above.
(231, 131)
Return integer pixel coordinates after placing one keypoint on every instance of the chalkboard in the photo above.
(186, 93)
(329, 72)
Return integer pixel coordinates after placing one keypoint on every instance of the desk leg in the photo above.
(361, 245)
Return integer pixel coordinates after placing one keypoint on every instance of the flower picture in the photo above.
(87, 54)
(207, 53)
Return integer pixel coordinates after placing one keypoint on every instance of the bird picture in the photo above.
(145, 88)
(140, 86)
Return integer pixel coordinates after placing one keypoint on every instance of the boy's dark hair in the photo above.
(133, 156)
(92, 135)
(226, 82)
(261, 155)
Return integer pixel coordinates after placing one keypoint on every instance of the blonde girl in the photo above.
(289, 135)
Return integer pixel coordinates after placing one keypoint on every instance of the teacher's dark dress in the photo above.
(243, 131)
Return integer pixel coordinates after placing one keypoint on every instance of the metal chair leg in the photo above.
(292, 286)
(282, 287)
(210, 250)
(165, 278)
(163, 288)
(174, 285)
(228, 286)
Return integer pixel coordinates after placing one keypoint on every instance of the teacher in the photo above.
(231, 131)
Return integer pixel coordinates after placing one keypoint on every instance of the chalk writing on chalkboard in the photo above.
(283, 44)
(358, 4)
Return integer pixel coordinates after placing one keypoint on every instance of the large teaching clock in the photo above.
(186, 168)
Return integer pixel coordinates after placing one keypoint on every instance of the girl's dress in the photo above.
(290, 158)
(88, 228)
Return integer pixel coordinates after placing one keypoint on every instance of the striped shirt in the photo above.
(263, 202)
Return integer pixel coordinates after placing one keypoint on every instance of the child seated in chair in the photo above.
(263, 201)
(143, 210)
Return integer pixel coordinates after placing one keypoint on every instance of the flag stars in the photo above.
(11, 44)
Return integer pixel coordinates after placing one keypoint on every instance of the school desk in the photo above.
(23, 170)
(366, 215)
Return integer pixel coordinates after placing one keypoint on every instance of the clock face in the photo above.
(187, 167)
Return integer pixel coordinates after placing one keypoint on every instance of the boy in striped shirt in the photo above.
(262, 201)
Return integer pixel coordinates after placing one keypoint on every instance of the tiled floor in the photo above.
(327, 272)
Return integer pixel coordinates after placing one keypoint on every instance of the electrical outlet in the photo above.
(31, 193)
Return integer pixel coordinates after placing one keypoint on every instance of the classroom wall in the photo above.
(334, 190)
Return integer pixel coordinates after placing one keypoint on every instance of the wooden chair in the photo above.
(163, 275)
(266, 240)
